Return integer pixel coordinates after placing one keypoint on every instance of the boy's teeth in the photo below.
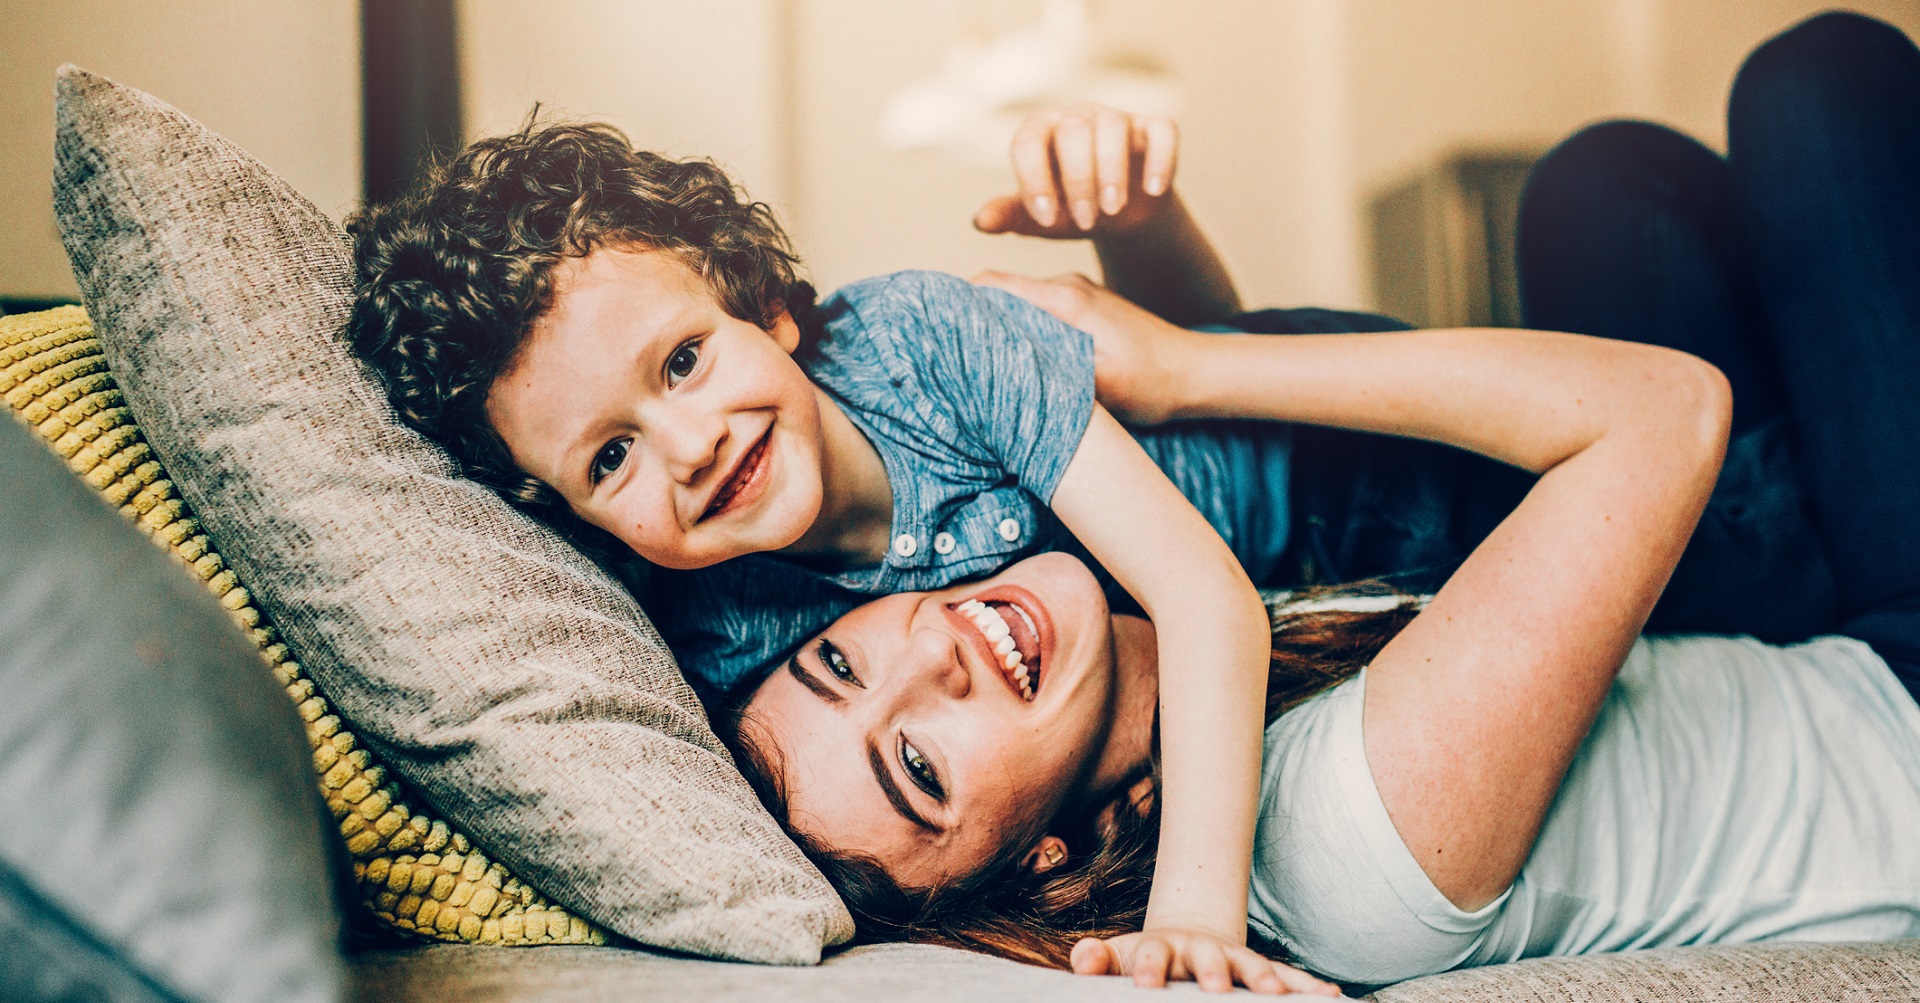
(1013, 659)
(1004, 644)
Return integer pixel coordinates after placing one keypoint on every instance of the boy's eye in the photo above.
(680, 364)
(608, 460)
(920, 771)
(836, 663)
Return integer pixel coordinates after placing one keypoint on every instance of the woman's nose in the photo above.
(936, 662)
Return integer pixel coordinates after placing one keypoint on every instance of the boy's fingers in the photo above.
(1093, 957)
(1151, 961)
(1112, 135)
(1256, 972)
(1207, 965)
(1032, 153)
(1159, 139)
(1298, 981)
(1073, 151)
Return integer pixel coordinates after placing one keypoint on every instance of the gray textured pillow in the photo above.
(517, 686)
(160, 833)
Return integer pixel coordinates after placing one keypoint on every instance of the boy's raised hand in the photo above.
(1085, 171)
(1139, 360)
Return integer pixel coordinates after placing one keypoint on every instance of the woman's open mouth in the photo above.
(745, 483)
(1012, 629)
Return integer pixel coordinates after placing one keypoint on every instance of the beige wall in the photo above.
(1295, 109)
(281, 79)
(683, 78)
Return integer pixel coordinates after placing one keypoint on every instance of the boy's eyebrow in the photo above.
(892, 790)
(820, 689)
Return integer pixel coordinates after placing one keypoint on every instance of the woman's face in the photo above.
(902, 733)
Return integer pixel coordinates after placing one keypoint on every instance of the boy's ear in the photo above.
(785, 331)
(1046, 855)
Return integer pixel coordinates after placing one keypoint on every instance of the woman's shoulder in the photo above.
(1332, 880)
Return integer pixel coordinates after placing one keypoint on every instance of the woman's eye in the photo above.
(680, 364)
(608, 460)
(920, 770)
(836, 663)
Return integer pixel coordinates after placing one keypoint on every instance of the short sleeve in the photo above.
(1332, 880)
(729, 623)
(995, 376)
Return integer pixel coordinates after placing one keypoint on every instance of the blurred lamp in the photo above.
(983, 91)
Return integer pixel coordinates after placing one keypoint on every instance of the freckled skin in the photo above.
(600, 368)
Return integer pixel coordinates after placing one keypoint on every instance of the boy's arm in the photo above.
(1213, 643)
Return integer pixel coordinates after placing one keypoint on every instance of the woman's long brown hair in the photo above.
(1101, 891)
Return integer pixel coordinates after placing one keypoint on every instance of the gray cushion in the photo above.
(513, 683)
(160, 832)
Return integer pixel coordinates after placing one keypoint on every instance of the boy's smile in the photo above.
(689, 434)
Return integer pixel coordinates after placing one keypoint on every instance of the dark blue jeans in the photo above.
(1793, 264)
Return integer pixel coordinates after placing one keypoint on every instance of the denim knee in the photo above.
(1611, 161)
(1831, 61)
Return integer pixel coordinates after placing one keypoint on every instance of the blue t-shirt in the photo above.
(975, 401)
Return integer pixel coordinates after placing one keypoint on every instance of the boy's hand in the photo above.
(1139, 360)
(1156, 957)
(1085, 171)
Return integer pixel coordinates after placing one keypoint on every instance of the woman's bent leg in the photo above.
(1629, 230)
(1824, 143)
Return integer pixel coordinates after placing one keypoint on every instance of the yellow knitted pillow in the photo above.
(412, 870)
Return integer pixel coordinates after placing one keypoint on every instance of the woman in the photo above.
(1512, 772)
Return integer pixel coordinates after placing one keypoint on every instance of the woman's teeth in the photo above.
(994, 626)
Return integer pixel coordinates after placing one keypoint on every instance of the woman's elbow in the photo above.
(1700, 408)
(1713, 399)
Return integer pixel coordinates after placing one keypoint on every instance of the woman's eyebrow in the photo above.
(820, 689)
(892, 790)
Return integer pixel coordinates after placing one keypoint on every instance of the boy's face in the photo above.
(688, 433)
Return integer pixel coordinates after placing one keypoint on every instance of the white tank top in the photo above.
(1730, 791)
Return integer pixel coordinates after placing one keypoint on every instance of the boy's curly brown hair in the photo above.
(451, 277)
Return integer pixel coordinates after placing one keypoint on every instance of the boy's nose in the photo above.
(690, 444)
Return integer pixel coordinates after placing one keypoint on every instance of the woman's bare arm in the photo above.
(1474, 713)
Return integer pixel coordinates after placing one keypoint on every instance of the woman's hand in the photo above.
(1138, 359)
(1086, 171)
(1156, 957)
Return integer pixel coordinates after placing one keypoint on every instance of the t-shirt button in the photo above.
(1009, 530)
(904, 545)
(943, 543)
